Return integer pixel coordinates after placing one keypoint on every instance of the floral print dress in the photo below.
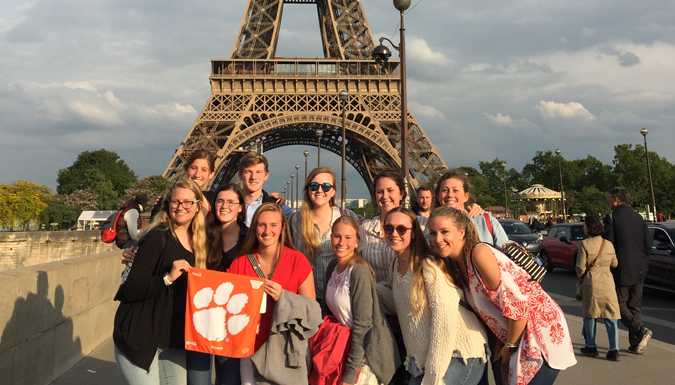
(546, 336)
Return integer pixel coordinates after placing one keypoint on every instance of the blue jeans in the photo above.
(545, 376)
(167, 368)
(588, 332)
(199, 369)
(459, 373)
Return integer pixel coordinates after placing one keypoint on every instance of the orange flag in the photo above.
(222, 312)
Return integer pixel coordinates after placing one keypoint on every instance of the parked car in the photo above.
(661, 274)
(521, 233)
(559, 247)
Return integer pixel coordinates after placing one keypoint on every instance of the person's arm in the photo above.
(615, 261)
(486, 265)
(131, 217)
(475, 210)
(609, 228)
(499, 236)
(361, 299)
(582, 257)
(515, 332)
(443, 303)
(141, 284)
(157, 207)
(287, 211)
(128, 255)
(279, 199)
(307, 288)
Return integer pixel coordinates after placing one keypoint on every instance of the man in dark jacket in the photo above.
(628, 232)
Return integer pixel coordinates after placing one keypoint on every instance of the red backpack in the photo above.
(109, 227)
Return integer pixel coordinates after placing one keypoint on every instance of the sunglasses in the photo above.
(400, 229)
(325, 187)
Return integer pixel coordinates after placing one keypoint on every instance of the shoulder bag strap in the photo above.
(256, 266)
(602, 245)
(488, 223)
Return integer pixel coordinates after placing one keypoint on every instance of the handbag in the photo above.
(580, 282)
(521, 257)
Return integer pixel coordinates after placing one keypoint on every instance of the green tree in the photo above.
(368, 210)
(78, 201)
(59, 213)
(31, 201)
(8, 200)
(544, 170)
(108, 163)
(143, 186)
(158, 184)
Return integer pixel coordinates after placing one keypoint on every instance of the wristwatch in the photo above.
(512, 347)
(166, 280)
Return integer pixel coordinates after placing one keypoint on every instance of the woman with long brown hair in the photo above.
(311, 227)
(351, 297)
(445, 342)
(535, 342)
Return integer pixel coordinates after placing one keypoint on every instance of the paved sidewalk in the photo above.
(654, 367)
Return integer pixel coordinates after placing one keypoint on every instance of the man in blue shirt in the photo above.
(253, 172)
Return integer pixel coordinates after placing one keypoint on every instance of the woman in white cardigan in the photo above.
(445, 342)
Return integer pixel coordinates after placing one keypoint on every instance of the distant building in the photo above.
(356, 203)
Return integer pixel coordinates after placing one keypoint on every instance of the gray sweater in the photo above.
(371, 335)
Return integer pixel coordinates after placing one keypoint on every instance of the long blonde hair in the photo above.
(310, 240)
(356, 256)
(251, 242)
(197, 229)
(420, 251)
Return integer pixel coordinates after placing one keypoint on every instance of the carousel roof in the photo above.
(538, 191)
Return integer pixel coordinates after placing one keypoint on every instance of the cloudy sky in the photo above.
(487, 78)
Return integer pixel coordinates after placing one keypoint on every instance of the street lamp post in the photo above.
(306, 154)
(285, 194)
(381, 54)
(297, 184)
(290, 190)
(644, 133)
(319, 134)
(344, 98)
(292, 176)
(506, 200)
(562, 190)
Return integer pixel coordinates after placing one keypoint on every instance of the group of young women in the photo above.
(451, 296)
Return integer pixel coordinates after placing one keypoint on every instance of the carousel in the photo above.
(539, 200)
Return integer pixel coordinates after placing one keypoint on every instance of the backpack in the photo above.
(109, 227)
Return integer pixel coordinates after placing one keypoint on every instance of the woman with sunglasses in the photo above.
(269, 240)
(226, 233)
(351, 297)
(452, 190)
(311, 227)
(149, 326)
(445, 342)
(530, 325)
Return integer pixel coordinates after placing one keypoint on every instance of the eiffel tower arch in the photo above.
(256, 96)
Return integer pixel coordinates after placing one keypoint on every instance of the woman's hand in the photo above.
(273, 289)
(177, 269)
(475, 210)
(128, 255)
(504, 355)
(279, 199)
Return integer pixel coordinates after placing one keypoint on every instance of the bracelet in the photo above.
(166, 280)
(510, 345)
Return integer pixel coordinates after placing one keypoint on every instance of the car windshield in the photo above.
(516, 228)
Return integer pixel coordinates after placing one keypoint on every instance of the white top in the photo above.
(443, 330)
(374, 249)
(337, 297)
(131, 216)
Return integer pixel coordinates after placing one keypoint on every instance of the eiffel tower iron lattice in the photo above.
(257, 97)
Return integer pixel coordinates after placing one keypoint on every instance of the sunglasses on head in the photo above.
(325, 187)
(400, 229)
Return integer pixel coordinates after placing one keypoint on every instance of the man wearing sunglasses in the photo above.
(253, 172)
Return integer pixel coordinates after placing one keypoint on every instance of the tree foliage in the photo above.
(59, 213)
(78, 201)
(22, 202)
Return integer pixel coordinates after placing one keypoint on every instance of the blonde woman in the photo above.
(311, 227)
(149, 327)
(445, 341)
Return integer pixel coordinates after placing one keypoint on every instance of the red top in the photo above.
(292, 270)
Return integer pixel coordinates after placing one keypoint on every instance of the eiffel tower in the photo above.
(257, 97)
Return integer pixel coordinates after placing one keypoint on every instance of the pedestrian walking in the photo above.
(445, 342)
(533, 340)
(628, 232)
(149, 325)
(351, 297)
(311, 227)
(599, 302)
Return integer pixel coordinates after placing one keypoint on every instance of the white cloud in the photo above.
(81, 85)
(502, 120)
(94, 114)
(418, 49)
(561, 110)
(426, 111)
(116, 103)
(176, 109)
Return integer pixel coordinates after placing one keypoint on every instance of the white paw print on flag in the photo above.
(213, 322)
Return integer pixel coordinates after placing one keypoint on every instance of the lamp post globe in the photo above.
(402, 5)
(381, 54)
(557, 152)
(644, 132)
(306, 154)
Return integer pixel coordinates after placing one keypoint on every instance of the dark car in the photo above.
(559, 247)
(661, 274)
(521, 233)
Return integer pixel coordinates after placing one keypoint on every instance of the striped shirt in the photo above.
(375, 250)
(324, 254)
